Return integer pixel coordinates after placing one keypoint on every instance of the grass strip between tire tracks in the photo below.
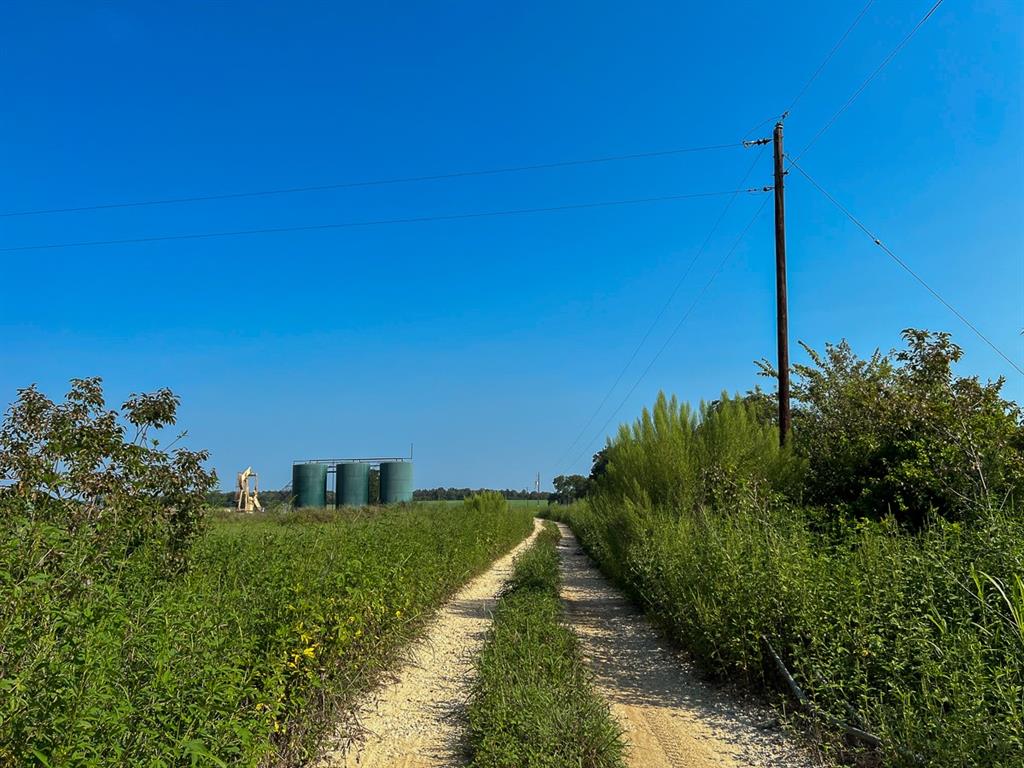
(533, 704)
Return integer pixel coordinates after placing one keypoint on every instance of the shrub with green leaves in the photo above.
(533, 704)
(675, 456)
(76, 473)
(902, 434)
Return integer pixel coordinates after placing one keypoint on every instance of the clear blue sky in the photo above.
(487, 342)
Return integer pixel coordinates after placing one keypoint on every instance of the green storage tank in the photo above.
(352, 484)
(309, 485)
(395, 481)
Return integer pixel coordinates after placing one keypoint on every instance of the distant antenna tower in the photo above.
(536, 483)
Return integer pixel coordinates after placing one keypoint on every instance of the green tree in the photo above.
(902, 434)
(77, 471)
(599, 465)
(570, 488)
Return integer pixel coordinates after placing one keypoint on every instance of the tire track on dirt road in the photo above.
(670, 717)
(416, 720)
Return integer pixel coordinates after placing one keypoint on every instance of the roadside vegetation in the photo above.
(136, 630)
(881, 555)
(533, 705)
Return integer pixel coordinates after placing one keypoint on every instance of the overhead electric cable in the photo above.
(373, 182)
(905, 266)
(661, 312)
(814, 75)
(374, 222)
(885, 62)
(828, 58)
(762, 124)
(806, 86)
(679, 325)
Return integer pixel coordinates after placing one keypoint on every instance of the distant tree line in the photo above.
(456, 494)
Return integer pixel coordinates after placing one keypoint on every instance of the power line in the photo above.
(905, 266)
(814, 75)
(828, 58)
(746, 136)
(661, 312)
(375, 222)
(762, 124)
(835, 48)
(679, 325)
(373, 182)
(885, 62)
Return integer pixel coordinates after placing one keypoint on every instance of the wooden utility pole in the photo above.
(782, 304)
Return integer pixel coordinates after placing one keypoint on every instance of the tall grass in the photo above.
(915, 636)
(245, 659)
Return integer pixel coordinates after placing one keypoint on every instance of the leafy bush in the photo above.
(569, 488)
(533, 705)
(74, 476)
(900, 434)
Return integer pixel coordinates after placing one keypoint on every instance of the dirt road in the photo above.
(417, 720)
(671, 718)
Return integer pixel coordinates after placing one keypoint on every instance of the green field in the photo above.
(247, 656)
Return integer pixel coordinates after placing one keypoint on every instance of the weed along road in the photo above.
(416, 720)
(670, 717)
